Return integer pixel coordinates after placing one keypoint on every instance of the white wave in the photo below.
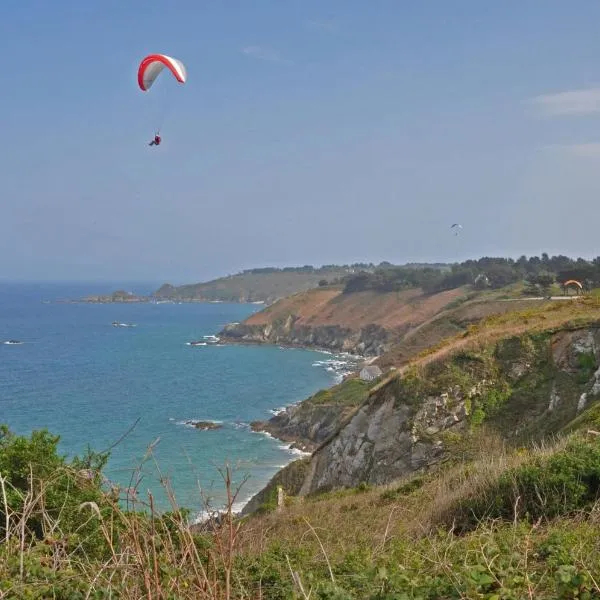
(338, 366)
(205, 515)
(278, 411)
(298, 452)
(196, 344)
(355, 357)
(13, 343)
(294, 451)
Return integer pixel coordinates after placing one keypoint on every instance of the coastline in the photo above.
(347, 363)
(294, 445)
(232, 341)
(152, 300)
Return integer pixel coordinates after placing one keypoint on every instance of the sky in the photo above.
(308, 132)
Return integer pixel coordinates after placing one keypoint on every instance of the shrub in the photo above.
(38, 479)
(543, 488)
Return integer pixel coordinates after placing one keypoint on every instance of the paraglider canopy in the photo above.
(457, 226)
(572, 284)
(151, 67)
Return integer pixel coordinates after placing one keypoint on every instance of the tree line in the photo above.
(539, 272)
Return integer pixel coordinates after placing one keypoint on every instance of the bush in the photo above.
(544, 488)
(35, 474)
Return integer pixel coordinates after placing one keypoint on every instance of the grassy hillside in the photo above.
(493, 522)
(251, 287)
(398, 312)
(329, 306)
(501, 524)
(396, 326)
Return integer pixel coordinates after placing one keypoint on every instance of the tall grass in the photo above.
(115, 546)
(398, 541)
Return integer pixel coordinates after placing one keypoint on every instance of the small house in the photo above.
(370, 373)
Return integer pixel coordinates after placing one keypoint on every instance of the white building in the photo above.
(370, 373)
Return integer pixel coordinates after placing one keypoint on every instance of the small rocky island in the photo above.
(118, 296)
(204, 425)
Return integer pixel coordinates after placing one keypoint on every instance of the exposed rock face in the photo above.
(305, 424)
(371, 340)
(386, 439)
(290, 478)
(523, 387)
(204, 425)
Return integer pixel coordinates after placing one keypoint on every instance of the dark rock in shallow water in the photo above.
(204, 425)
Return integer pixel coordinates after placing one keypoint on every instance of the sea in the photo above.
(139, 389)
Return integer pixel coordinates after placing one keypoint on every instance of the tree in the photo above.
(544, 281)
(500, 275)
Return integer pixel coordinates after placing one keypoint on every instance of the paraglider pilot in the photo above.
(155, 141)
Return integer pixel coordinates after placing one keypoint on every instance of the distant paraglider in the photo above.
(456, 227)
(150, 68)
(573, 283)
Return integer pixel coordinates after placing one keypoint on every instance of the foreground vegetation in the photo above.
(491, 523)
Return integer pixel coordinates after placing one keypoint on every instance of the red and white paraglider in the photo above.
(150, 68)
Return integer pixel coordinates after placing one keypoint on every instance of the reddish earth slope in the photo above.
(330, 307)
(393, 325)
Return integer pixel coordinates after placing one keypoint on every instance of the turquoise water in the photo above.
(89, 382)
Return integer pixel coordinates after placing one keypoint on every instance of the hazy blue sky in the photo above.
(308, 132)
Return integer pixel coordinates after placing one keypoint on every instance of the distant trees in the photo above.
(540, 273)
(539, 285)
(312, 269)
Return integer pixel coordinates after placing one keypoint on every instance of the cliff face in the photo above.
(312, 422)
(371, 340)
(384, 440)
(366, 323)
(523, 387)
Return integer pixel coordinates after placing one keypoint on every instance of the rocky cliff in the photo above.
(365, 323)
(371, 340)
(312, 422)
(524, 387)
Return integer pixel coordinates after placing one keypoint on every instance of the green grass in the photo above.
(500, 526)
(253, 287)
(503, 525)
(351, 392)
